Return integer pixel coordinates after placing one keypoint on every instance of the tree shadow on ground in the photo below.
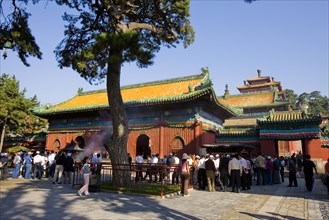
(40, 199)
(264, 217)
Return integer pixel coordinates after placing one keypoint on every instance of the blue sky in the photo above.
(287, 40)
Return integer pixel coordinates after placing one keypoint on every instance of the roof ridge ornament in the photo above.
(259, 72)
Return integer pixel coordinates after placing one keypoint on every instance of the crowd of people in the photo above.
(36, 165)
(238, 171)
(211, 171)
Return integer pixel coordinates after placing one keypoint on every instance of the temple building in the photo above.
(176, 115)
(268, 125)
(184, 115)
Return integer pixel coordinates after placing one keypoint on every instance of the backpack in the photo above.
(268, 166)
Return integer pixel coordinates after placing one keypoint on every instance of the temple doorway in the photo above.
(287, 148)
(143, 146)
(176, 145)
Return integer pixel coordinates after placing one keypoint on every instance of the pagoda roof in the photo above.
(150, 93)
(255, 86)
(259, 78)
(250, 100)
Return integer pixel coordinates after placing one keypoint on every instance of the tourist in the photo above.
(85, 170)
(282, 166)
(292, 167)
(51, 164)
(235, 171)
(195, 169)
(68, 168)
(175, 173)
(59, 168)
(38, 160)
(249, 171)
(28, 165)
(269, 171)
(276, 170)
(154, 170)
(202, 177)
(185, 175)
(223, 169)
(210, 173)
(244, 180)
(17, 165)
(308, 167)
(260, 164)
(139, 170)
(326, 169)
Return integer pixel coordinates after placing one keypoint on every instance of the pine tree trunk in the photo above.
(117, 145)
(3, 131)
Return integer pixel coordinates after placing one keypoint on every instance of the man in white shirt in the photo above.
(38, 161)
(139, 172)
(175, 172)
(51, 164)
(235, 171)
(202, 177)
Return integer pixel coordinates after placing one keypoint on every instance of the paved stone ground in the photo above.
(40, 199)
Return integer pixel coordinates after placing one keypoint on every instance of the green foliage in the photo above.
(15, 22)
(313, 103)
(106, 32)
(292, 97)
(15, 109)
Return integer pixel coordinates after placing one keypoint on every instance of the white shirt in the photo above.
(38, 159)
(243, 163)
(176, 160)
(155, 159)
(234, 164)
(202, 163)
(51, 158)
(216, 161)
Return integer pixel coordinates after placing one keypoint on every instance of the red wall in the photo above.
(313, 148)
(267, 147)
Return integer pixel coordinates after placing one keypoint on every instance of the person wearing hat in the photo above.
(28, 165)
(210, 173)
(38, 161)
(185, 175)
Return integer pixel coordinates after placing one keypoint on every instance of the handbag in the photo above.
(81, 170)
(297, 175)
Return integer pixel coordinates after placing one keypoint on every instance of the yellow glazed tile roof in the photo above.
(240, 121)
(145, 91)
(241, 101)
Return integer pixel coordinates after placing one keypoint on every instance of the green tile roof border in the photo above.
(306, 119)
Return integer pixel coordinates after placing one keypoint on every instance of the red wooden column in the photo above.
(197, 137)
(161, 142)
